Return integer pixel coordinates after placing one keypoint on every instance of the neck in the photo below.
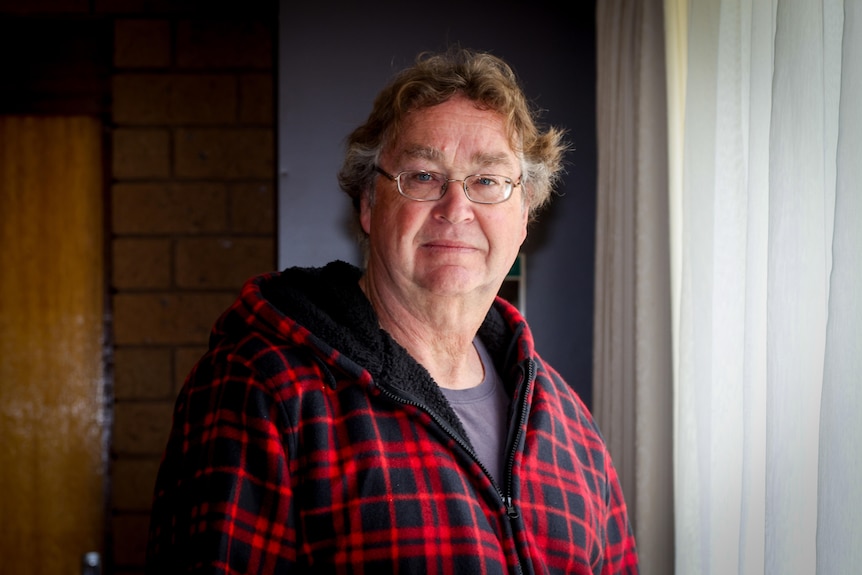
(437, 331)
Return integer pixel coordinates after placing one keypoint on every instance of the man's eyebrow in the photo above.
(486, 159)
(422, 153)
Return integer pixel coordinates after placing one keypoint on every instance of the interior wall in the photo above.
(334, 58)
(184, 91)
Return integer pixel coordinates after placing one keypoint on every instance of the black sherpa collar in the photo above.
(329, 303)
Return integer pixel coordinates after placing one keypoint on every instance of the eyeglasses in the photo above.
(425, 186)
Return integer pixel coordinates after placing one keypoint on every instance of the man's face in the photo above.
(450, 246)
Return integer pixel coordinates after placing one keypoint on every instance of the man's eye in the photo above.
(487, 181)
(424, 178)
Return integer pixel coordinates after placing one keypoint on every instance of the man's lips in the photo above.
(453, 245)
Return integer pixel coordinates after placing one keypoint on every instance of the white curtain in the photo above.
(766, 244)
(633, 356)
(759, 287)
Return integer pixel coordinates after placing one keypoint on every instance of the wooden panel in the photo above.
(52, 455)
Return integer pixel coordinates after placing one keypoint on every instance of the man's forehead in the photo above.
(480, 157)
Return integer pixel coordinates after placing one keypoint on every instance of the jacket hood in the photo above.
(319, 308)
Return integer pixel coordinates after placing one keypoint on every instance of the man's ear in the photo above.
(365, 205)
(526, 216)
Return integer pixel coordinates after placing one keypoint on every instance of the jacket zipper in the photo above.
(511, 510)
(449, 431)
(506, 498)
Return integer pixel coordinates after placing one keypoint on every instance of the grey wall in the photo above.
(333, 59)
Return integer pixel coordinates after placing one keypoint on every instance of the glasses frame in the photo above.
(445, 187)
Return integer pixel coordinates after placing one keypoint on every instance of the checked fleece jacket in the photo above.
(308, 441)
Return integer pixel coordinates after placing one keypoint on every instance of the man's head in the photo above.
(485, 80)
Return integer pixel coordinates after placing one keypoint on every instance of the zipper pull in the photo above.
(511, 510)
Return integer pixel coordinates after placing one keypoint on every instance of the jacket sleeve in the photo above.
(620, 553)
(223, 499)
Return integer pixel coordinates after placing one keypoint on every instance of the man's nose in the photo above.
(455, 207)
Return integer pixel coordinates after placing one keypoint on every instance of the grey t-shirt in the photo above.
(483, 410)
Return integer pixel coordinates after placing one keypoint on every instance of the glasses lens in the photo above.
(421, 185)
(488, 189)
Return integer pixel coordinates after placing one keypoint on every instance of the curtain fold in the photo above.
(839, 493)
(796, 287)
(632, 356)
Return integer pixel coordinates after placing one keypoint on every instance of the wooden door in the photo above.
(52, 400)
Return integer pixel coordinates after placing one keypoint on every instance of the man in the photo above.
(398, 419)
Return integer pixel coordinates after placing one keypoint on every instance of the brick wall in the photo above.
(192, 215)
(185, 89)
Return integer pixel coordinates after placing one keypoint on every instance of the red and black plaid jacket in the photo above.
(308, 441)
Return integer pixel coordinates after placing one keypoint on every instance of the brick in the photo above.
(185, 359)
(174, 99)
(251, 208)
(256, 99)
(141, 98)
(184, 208)
(52, 7)
(122, 6)
(169, 318)
(129, 535)
(206, 8)
(142, 43)
(224, 153)
(141, 153)
(225, 44)
(140, 263)
(143, 373)
(152, 7)
(142, 428)
(203, 99)
(133, 482)
(221, 262)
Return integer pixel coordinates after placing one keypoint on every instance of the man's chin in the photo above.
(456, 281)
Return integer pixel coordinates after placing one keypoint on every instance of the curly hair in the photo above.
(435, 78)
